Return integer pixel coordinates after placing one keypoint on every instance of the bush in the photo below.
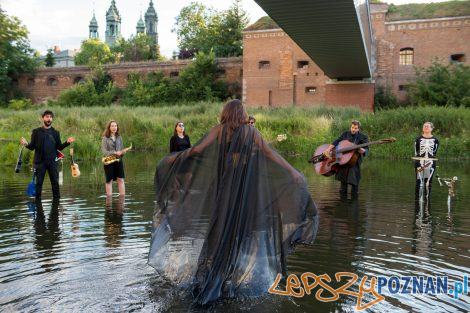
(385, 99)
(20, 104)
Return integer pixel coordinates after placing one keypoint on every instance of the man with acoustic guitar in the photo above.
(350, 174)
(45, 141)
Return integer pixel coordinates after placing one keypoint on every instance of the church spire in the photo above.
(151, 20)
(113, 24)
(140, 29)
(93, 27)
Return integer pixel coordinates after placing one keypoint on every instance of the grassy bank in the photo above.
(149, 129)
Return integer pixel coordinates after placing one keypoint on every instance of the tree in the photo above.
(442, 85)
(16, 55)
(50, 60)
(137, 48)
(201, 28)
(234, 22)
(94, 52)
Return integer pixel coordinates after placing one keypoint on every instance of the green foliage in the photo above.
(428, 10)
(137, 48)
(94, 52)
(16, 56)
(385, 99)
(264, 22)
(150, 128)
(50, 60)
(196, 82)
(97, 91)
(20, 104)
(205, 29)
(442, 85)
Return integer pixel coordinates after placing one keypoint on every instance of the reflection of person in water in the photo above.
(228, 233)
(47, 234)
(113, 221)
(422, 228)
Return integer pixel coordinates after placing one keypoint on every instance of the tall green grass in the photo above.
(149, 129)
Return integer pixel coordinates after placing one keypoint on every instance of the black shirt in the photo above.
(179, 144)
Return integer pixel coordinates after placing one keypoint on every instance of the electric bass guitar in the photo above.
(73, 165)
(327, 164)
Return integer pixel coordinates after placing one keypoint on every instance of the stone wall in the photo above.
(47, 83)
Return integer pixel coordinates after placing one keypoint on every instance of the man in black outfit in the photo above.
(351, 174)
(45, 141)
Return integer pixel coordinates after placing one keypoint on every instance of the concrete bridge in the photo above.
(336, 34)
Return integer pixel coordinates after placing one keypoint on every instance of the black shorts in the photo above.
(114, 170)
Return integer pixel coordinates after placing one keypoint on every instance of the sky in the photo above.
(65, 22)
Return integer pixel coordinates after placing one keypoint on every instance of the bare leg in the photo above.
(109, 188)
(121, 186)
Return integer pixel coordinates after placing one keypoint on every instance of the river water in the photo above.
(89, 254)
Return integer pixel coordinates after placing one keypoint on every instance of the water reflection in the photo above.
(47, 234)
(89, 254)
(423, 225)
(113, 215)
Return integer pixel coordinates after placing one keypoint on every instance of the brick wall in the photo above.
(49, 82)
(430, 39)
(277, 72)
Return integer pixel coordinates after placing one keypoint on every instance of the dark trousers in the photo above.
(51, 168)
(344, 188)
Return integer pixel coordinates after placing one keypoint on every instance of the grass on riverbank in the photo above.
(149, 129)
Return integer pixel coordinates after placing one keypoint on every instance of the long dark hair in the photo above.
(234, 114)
(107, 131)
(175, 133)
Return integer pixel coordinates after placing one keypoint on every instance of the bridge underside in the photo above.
(334, 33)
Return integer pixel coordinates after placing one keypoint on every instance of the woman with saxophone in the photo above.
(113, 149)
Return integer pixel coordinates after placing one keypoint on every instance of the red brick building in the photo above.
(277, 72)
(403, 45)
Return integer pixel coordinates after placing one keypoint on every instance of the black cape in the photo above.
(228, 211)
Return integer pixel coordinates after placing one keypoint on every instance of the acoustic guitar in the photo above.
(73, 165)
(279, 138)
(345, 153)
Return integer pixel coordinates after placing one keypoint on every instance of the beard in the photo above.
(48, 123)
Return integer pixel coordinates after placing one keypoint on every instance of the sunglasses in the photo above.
(181, 125)
(252, 123)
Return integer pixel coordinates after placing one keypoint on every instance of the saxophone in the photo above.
(114, 157)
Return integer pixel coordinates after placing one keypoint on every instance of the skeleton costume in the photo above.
(425, 148)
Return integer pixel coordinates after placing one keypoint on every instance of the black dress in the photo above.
(227, 232)
(178, 144)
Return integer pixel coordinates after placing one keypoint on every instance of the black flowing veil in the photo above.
(228, 211)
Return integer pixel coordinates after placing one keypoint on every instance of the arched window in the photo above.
(406, 56)
(78, 80)
(52, 81)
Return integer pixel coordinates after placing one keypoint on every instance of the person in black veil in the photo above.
(227, 231)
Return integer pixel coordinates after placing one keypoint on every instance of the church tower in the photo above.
(93, 27)
(140, 29)
(113, 25)
(151, 20)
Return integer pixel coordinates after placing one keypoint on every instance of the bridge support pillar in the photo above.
(358, 93)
